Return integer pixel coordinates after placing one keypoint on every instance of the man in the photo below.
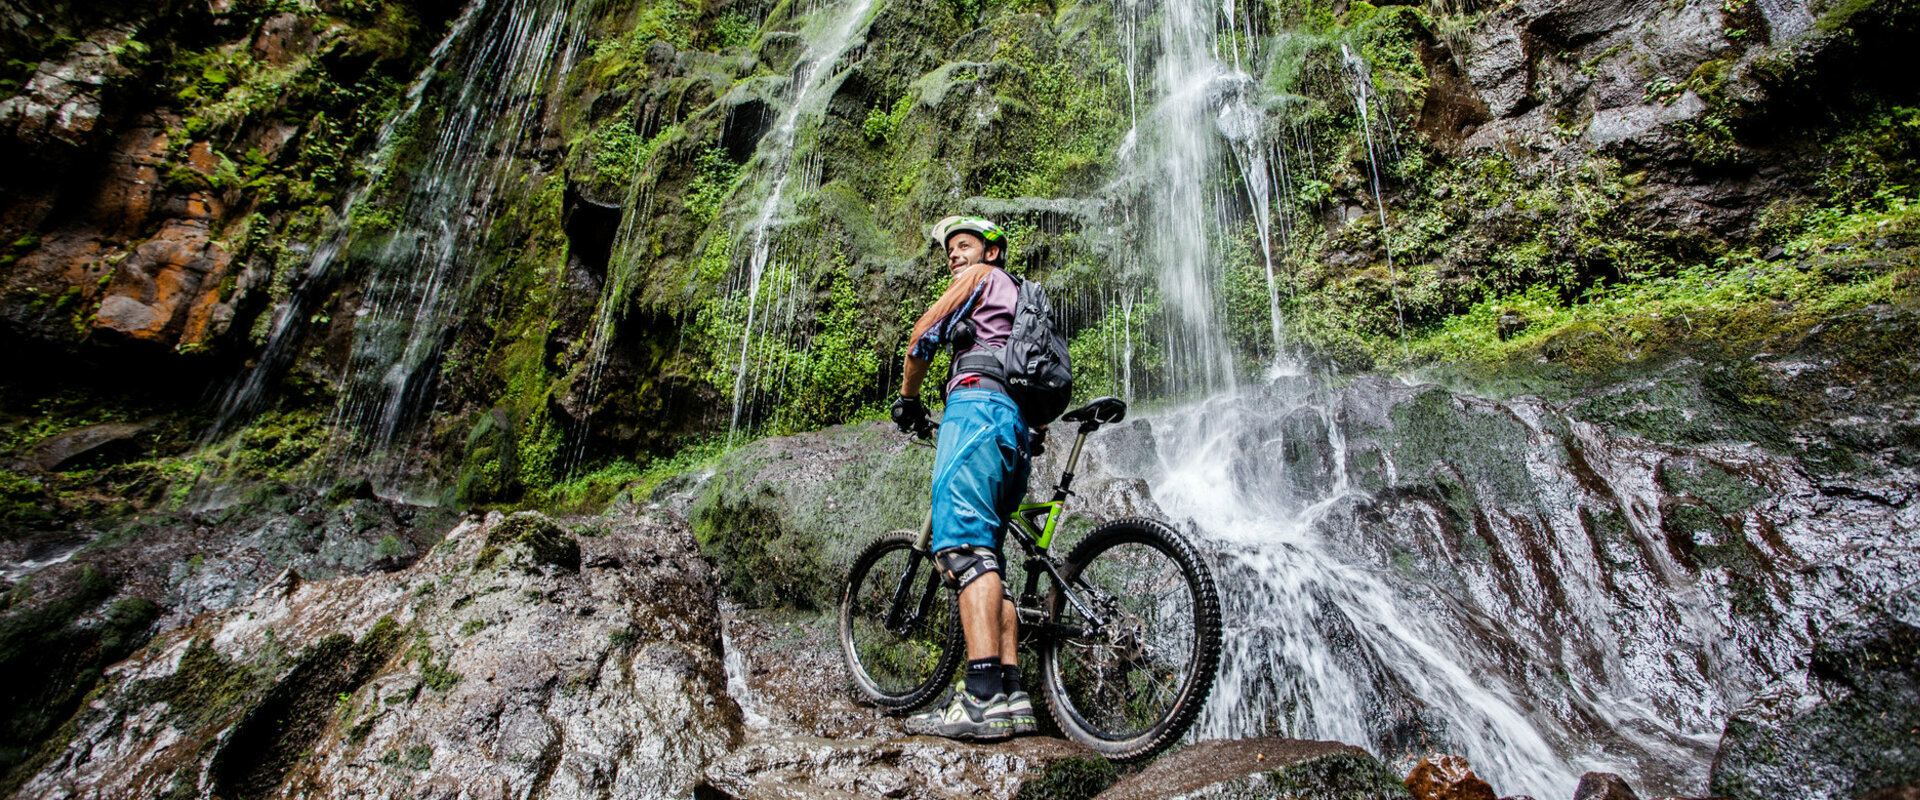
(979, 477)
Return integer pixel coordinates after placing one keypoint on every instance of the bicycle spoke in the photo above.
(894, 664)
(1129, 676)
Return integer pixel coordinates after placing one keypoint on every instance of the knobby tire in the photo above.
(1110, 695)
(899, 672)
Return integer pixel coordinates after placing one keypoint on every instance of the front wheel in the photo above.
(1132, 677)
(899, 626)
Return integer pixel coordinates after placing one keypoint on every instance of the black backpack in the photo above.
(1033, 365)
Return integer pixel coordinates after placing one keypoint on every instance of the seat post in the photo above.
(1060, 491)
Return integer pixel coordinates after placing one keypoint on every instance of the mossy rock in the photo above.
(1858, 738)
(491, 470)
(540, 540)
(57, 634)
(1070, 779)
(782, 518)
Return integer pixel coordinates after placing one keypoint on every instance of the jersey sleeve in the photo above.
(936, 326)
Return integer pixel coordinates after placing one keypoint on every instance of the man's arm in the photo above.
(930, 331)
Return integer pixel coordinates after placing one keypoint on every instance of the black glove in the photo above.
(908, 413)
(1036, 442)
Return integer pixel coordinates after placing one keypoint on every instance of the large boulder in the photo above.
(428, 681)
(783, 518)
(1850, 733)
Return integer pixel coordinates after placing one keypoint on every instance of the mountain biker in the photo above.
(979, 477)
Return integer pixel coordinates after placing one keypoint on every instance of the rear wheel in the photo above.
(1135, 681)
(899, 626)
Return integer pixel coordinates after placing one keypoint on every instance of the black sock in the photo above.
(983, 677)
(1010, 678)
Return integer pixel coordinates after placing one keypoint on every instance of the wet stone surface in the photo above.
(446, 677)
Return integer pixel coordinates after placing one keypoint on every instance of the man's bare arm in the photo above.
(914, 371)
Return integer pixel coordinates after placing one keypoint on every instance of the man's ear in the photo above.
(991, 254)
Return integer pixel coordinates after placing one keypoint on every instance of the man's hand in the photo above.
(909, 414)
(1037, 442)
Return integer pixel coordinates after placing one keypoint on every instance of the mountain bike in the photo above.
(1127, 628)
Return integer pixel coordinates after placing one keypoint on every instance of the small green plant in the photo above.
(880, 125)
(472, 626)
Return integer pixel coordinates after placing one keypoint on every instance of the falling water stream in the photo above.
(502, 55)
(1316, 645)
(777, 158)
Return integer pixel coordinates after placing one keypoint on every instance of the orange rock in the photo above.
(1447, 778)
(167, 290)
(201, 158)
(126, 196)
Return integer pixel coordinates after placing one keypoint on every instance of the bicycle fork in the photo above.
(897, 619)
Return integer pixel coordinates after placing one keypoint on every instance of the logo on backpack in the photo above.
(1033, 364)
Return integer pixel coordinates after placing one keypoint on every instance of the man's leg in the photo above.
(970, 469)
(1009, 632)
(982, 619)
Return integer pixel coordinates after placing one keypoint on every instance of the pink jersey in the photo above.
(985, 295)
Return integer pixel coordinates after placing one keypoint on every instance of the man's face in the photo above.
(965, 250)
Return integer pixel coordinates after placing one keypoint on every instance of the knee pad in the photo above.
(963, 565)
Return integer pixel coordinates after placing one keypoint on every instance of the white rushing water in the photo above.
(1310, 636)
(289, 319)
(425, 267)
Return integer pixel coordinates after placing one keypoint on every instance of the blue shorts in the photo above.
(979, 469)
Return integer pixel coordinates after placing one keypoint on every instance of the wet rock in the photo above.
(1853, 733)
(59, 452)
(61, 102)
(1263, 768)
(282, 38)
(1640, 128)
(1603, 786)
(393, 684)
(1447, 778)
(915, 766)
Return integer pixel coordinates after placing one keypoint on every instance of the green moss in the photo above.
(541, 539)
(714, 179)
(1342, 777)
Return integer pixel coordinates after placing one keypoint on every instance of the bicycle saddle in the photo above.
(1104, 410)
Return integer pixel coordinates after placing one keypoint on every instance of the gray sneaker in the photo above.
(1020, 711)
(962, 717)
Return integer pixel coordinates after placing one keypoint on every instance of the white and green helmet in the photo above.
(982, 227)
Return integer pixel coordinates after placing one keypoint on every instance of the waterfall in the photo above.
(422, 273)
(1316, 646)
(1172, 158)
(777, 161)
(1361, 83)
(419, 263)
(242, 398)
